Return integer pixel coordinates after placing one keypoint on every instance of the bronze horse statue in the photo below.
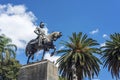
(47, 44)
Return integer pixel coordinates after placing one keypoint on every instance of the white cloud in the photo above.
(39, 52)
(105, 36)
(52, 59)
(17, 23)
(62, 47)
(94, 31)
(102, 44)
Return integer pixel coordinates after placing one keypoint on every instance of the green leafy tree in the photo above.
(10, 69)
(7, 49)
(79, 49)
(8, 65)
(111, 55)
(61, 78)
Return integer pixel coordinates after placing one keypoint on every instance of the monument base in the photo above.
(43, 70)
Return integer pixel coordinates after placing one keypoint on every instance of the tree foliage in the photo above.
(81, 49)
(8, 65)
(7, 50)
(9, 69)
(61, 78)
(111, 54)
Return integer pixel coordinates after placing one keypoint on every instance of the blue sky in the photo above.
(97, 18)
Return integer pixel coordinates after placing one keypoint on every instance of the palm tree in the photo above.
(79, 52)
(111, 55)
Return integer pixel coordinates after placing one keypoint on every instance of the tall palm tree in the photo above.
(79, 52)
(111, 55)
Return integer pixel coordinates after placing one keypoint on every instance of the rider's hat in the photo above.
(42, 25)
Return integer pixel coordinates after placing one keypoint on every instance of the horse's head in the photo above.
(56, 35)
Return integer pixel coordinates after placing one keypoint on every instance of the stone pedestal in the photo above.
(43, 70)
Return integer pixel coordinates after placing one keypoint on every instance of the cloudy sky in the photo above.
(98, 19)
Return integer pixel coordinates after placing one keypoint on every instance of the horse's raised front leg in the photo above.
(53, 51)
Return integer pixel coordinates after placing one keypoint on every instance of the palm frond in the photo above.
(79, 49)
(111, 53)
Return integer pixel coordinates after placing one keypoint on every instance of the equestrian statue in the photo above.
(42, 42)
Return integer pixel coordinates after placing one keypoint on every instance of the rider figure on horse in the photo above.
(41, 34)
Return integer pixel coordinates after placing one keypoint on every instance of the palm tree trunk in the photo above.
(74, 76)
